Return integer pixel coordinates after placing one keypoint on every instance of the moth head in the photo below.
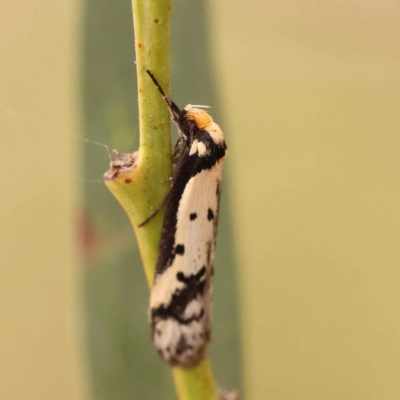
(200, 117)
(195, 119)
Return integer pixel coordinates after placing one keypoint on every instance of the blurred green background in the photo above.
(308, 96)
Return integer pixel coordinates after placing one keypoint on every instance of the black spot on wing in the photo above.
(210, 214)
(201, 272)
(209, 247)
(218, 188)
(192, 279)
(180, 249)
(193, 216)
(180, 276)
(182, 345)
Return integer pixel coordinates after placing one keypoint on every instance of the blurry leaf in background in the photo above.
(40, 314)
(311, 95)
(123, 362)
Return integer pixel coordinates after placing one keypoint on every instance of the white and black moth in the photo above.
(180, 301)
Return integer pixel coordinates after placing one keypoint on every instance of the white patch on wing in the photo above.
(193, 309)
(169, 339)
(215, 132)
(167, 333)
(165, 286)
(193, 149)
(199, 148)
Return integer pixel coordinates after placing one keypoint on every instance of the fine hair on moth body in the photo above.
(180, 300)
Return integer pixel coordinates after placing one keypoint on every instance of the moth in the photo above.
(180, 300)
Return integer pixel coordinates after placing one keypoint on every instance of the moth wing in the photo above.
(180, 303)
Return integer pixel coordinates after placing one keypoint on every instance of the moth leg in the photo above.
(154, 213)
(180, 147)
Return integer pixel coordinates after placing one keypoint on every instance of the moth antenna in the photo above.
(160, 89)
(173, 108)
(199, 106)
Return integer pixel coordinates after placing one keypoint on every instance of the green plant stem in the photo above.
(196, 383)
(140, 184)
